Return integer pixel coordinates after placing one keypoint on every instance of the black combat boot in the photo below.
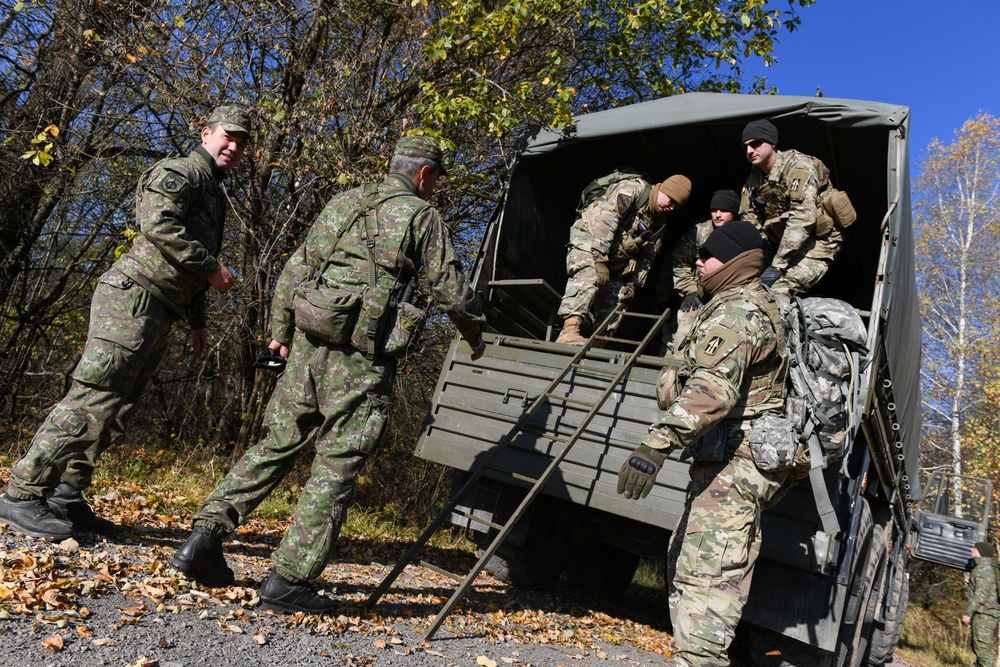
(33, 518)
(201, 559)
(280, 594)
(68, 504)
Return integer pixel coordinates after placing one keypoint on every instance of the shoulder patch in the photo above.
(797, 180)
(716, 344)
(172, 184)
(626, 196)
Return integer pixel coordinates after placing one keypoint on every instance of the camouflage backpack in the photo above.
(597, 187)
(826, 338)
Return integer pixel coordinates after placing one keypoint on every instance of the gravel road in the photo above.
(117, 602)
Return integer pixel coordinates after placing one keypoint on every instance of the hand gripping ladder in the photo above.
(548, 396)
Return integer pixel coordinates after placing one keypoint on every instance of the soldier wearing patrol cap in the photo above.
(736, 363)
(612, 246)
(180, 213)
(335, 393)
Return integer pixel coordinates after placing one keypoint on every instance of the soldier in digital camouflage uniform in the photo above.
(781, 197)
(336, 397)
(612, 246)
(180, 213)
(983, 610)
(723, 208)
(736, 363)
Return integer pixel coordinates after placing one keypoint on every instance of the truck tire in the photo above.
(603, 569)
(886, 634)
(545, 554)
(857, 626)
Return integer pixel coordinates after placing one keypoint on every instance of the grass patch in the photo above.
(934, 641)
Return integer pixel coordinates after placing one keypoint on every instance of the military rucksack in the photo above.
(826, 339)
(597, 187)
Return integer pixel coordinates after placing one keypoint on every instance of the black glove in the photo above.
(690, 302)
(770, 275)
(638, 473)
(603, 275)
(270, 360)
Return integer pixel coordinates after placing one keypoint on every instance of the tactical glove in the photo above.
(270, 360)
(770, 275)
(638, 473)
(690, 302)
(603, 275)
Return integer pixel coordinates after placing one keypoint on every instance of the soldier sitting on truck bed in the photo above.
(782, 198)
(723, 207)
(736, 363)
(611, 247)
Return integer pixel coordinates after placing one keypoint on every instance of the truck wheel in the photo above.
(602, 569)
(858, 623)
(886, 635)
(543, 557)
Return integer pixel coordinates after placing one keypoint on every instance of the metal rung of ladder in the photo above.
(544, 397)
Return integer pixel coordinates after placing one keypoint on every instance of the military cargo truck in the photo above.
(824, 592)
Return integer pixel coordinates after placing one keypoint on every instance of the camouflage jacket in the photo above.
(618, 230)
(784, 204)
(737, 362)
(982, 591)
(684, 255)
(180, 210)
(408, 235)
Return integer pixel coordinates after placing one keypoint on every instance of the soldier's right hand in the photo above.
(603, 275)
(479, 350)
(638, 473)
(221, 279)
(690, 302)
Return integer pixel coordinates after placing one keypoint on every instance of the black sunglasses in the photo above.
(755, 143)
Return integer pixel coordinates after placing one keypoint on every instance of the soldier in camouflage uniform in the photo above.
(612, 246)
(335, 396)
(983, 608)
(736, 364)
(180, 212)
(723, 208)
(781, 197)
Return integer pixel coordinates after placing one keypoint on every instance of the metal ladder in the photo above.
(546, 397)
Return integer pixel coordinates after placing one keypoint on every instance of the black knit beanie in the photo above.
(760, 129)
(985, 549)
(733, 239)
(726, 200)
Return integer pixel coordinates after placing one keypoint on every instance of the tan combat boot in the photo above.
(570, 334)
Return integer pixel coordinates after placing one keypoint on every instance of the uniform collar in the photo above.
(216, 172)
(404, 180)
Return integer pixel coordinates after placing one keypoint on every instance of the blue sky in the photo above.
(942, 59)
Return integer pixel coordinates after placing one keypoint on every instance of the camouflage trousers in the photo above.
(583, 298)
(984, 639)
(808, 266)
(127, 336)
(330, 396)
(719, 537)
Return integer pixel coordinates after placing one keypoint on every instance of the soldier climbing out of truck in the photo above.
(789, 198)
(736, 364)
(617, 235)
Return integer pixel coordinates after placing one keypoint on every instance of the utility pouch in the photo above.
(326, 312)
(404, 324)
(838, 206)
(710, 448)
(773, 442)
(824, 223)
(670, 384)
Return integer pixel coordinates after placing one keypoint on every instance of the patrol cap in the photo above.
(423, 147)
(677, 187)
(232, 118)
(731, 240)
(725, 200)
(760, 129)
(985, 549)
